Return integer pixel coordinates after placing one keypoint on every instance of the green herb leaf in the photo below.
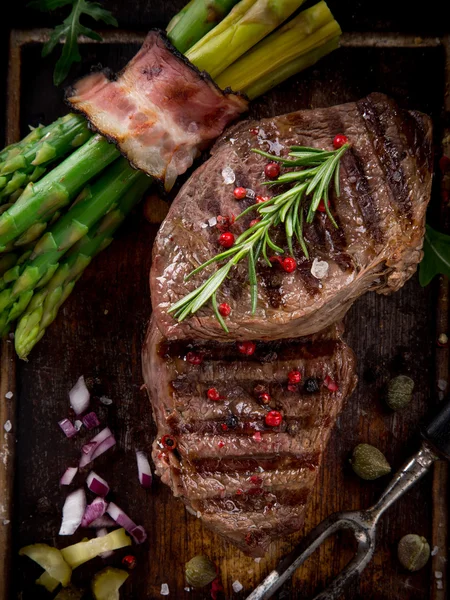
(70, 29)
(436, 258)
(286, 208)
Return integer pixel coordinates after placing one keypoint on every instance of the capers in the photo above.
(200, 571)
(368, 462)
(413, 551)
(399, 392)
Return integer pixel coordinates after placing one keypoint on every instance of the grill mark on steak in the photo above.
(362, 194)
(246, 464)
(255, 499)
(244, 428)
(387, 154)
(413, 128)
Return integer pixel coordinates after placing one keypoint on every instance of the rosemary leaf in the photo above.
(212, 285)
(253, 280)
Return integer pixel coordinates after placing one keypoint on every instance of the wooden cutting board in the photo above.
(99, 333)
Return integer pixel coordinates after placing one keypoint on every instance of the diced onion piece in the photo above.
(122, 519)
(79, 396)
(68, 476)
(144, 470)
(104, 446)
(49, 582)
(94, 511)
(97, 484)
(73, 511)
(103, 521)
(101, 533)
(139, 534)
(106, 583)
(91, 420)
(50, 559)
(80, 553)
(89, 448)
(67, 427)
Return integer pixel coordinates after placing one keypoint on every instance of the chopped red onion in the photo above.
(94, 511)
(122, 519)
(96, 484)
(67, 427)
(144, 470)
(139, 534)
(73, 511)
(89, 447)
(79, 396)
(103, 521)
(91, 420)
(92, 446)
(68, 476)
(104, 446)
(101, 533)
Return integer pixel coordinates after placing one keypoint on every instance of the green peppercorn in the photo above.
(368, 462)
(413, 552)
(400, 391)
(200, 571)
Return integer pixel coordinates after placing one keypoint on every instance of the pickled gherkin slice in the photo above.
(107, 582)
(51, 560)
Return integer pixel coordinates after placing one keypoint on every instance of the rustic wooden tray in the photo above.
(99, 333)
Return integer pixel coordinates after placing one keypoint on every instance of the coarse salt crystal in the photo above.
(187, 589)
(212, 222)
(106, 401)
(6, 521)
(237, 586)
(7, 426)
(78, 425)
(435, 551)
(199, 515)
(9, 395)
(164, 589)
(275, 147)
(232, 140)
(438, 574)
(258, 560)
(319, 268)
(228, 175)
(440, 584)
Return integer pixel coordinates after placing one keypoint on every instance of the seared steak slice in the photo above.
(385, 188)
(247, 481)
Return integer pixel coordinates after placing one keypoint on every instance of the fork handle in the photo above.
(437, 432)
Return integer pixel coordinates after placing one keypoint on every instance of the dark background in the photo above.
(390, 335)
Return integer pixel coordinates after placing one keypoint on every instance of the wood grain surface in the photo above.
(99, 333)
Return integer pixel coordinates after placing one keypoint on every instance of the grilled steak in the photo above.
(385, 188)
(246, 480)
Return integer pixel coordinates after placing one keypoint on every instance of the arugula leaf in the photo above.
(70, 29)
(436, 258)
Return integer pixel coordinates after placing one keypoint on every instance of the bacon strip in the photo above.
(160, 111)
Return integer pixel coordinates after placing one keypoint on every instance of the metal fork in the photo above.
(363, 523)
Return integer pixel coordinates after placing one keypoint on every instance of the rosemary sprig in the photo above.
(310, 186)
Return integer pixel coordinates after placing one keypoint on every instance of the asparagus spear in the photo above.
(295, 44)
(220, 49)
(46, 302)
(29, 164)
(195, 20)
(44, 260)
(27, 218)
(12, 149)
